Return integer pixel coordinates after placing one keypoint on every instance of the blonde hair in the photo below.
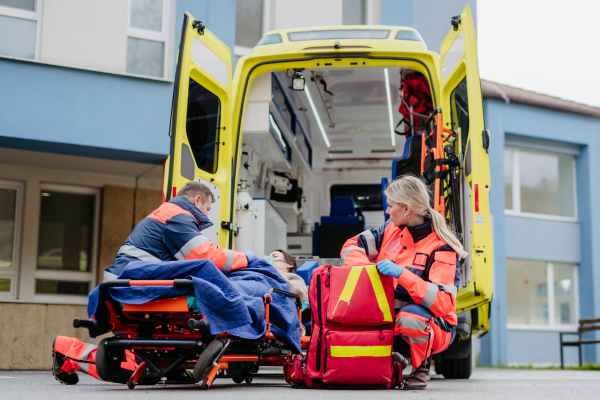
(412, 191)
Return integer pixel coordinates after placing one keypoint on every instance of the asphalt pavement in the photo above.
(485, 384)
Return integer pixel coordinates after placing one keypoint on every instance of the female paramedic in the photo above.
(416, 247)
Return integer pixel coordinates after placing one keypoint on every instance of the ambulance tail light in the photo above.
(476, 197)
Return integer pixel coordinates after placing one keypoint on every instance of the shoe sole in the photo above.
(413, 388)
(54, 363)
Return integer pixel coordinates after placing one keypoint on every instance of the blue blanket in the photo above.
(232, 303)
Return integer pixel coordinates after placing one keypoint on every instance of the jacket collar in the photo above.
(187, 205)
(419, 232)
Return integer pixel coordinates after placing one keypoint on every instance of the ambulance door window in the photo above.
(459, 101)
(203, 126)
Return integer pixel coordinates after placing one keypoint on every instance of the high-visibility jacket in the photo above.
(172, 232)
(431, 268)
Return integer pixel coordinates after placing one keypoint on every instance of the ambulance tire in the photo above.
(457, 368)
(204, 364)
(106, 365)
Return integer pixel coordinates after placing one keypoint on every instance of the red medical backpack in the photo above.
(352, 330)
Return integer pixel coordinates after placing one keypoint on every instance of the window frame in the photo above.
(154, 36)
(552, 325)
(74, 276)
(12, 273)
(516, 188)
(30, 16)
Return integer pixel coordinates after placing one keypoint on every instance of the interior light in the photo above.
(389, 101)
(45, 194)
(312, 105)
(297, 81)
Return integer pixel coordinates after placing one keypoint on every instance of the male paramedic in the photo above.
(171, 232)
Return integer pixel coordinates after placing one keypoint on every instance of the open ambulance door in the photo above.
(463, 111)
(200, 146)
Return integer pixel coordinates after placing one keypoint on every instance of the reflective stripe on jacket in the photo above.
(432, 271)
(172, 232)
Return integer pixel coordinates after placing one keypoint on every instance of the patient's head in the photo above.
(284, 261)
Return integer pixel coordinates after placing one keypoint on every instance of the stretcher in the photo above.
(171, 334)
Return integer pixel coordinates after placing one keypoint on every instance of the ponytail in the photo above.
(440, 227)
(412, 191)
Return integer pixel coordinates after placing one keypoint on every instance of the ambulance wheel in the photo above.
(204, 364)
(108, 362)
(457, 368)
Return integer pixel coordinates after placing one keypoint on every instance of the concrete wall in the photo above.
(512, 234)
(85, 34)
(28, 327)
(28, 331)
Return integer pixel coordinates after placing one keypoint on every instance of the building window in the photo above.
(354, 12)
(541, 293)
(147, 38)
(66, 254)
(20, 28)
(10, 226)
(539, 183)
(248, 26)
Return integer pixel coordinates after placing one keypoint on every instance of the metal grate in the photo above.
(383, 151)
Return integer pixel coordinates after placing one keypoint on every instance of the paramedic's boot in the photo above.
(399, 358)
(418, 378)
(67, 378)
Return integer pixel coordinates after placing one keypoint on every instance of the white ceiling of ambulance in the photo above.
(358, 106)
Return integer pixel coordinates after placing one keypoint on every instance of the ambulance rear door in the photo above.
(463, 110)
(200, 129)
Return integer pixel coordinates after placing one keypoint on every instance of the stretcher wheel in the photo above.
(204, 364)
(106, 365)
(249, 378)
(130, 384)
(239, 378)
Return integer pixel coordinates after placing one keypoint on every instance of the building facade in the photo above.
(84, 120)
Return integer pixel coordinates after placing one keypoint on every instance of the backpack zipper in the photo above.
(318, 362)
(325, 354)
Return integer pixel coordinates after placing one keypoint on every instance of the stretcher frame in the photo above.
(183, 333)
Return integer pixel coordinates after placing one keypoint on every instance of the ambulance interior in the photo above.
(313, 158)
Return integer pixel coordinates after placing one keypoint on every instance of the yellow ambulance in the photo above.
(311, 115)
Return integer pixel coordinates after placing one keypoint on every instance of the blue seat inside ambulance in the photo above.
(342, 223)
(343, 212)
(410, 162)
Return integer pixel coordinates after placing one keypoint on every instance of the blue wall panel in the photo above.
(40, 102)
(538, 347)
(520, 120)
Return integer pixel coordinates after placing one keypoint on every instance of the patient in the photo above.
(285, 264)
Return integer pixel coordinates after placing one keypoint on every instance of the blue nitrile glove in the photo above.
(387, 267)
(250, 256)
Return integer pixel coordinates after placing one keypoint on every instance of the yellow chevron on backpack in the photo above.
(360, 296)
